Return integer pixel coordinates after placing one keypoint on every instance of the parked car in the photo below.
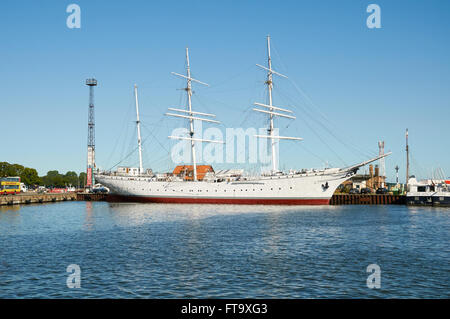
(100, 190)
(382, 191)
(41, 190)
(366, 190)
(354, 191)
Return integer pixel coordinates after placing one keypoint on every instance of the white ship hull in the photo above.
(428, 193)
(307, 189)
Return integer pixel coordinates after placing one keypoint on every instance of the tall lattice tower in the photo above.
(91, 134)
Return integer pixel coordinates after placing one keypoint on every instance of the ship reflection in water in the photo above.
(128, 250)
(134, 214)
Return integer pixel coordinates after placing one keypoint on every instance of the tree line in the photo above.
(30, 177)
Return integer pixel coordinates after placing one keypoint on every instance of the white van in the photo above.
(23, 188)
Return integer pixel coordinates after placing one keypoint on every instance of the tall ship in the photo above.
(201, 184)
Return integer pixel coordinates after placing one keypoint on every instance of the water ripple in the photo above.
(207, 251)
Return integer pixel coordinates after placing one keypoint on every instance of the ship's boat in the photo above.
(201, 184)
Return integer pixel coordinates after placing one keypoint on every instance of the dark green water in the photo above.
(205, 251)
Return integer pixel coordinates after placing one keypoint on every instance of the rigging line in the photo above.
(247, 88)
(309, 100)
(199, 101)
(231, 78)
(123, 159)
(160, 160)
(131, 152)
(420, 170)
(332, 133)
(151, 133)
(213, 100)
(285, 69)
(223, 122)
(307, 149)
(126, 141)
(127, 111)
(325, 143)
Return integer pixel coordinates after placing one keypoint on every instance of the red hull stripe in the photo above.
(236, 201)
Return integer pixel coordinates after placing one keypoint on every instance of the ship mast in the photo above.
(270, 86)
(407, 161)
(272, 109)
(190, 115)
(138, 124)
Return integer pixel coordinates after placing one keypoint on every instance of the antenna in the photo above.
(190, 114)
(272, 108)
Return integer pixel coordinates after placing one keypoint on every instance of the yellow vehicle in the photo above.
(9, 185)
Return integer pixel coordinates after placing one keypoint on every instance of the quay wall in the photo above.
(30, 198)
(367, 199)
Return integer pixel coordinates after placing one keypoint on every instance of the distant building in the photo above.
(373, 180)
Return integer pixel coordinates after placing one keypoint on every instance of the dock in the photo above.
(367, 199)
(92, 196)
(31, 198)
(337, 199)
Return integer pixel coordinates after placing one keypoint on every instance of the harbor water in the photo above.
(128, 250)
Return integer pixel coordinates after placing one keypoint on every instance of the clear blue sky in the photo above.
(369, 83)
